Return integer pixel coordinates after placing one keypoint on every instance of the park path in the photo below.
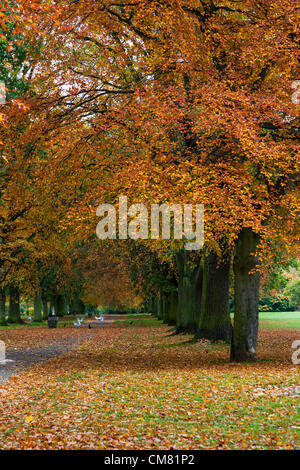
(24, 358)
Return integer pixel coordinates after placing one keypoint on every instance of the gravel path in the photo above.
(24, 358)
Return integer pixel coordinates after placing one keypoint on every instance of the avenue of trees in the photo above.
(181, 101)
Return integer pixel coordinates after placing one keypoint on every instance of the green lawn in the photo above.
(139, 319)
(276, 320)
(61, 322)
(279, 320)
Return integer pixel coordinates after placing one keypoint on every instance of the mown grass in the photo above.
(139, 320)
(275, 320)
(279, 320)
(61, 322)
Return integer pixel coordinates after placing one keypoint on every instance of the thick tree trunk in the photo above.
(14, 305)
(164, 308)
(37, 312)
(149, 306)
(3, 321)
(246, 295)
(45, 308)
(189, 280)
(215, 323)
(152, 307)
(156, 307)
(160, 307)
(171, 307)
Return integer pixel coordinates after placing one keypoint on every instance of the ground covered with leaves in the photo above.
(137, 387)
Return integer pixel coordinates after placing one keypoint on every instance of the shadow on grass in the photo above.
(174, 345)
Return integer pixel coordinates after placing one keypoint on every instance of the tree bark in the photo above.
(160, 307)
(3, 321)
(164, 308)
(189, 280)
(45, 308)
(156, 307)
(149, 306)
(171, 307)
(14, 305)
(246, 296)
(215, 323)
(37, 312)
(153, 305)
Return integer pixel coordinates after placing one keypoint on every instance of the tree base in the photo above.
(15, 322)
(191, 329)
(223, 334)
(243, 357)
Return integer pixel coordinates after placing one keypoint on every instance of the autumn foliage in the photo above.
(180, 101)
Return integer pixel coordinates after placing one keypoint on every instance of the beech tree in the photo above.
(179, 101)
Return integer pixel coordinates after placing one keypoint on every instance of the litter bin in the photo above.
(52, 322)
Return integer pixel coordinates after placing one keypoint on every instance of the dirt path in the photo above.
(25, 357)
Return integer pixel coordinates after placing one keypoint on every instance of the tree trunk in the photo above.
(171, 307)
(160, 307)
(14, 305)
(189, 278)
(37, 312)
(164, 307)
(45, 308)
(246, 295)
(2, 307)
(215, 323)
(156, 307)
(153, 305)
(149, 306)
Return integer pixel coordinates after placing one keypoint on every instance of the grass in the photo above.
(142, 320)
(138, 316)
(23, 325)
(61, 321)
(278, 320)
(122, 390)
(275, 320)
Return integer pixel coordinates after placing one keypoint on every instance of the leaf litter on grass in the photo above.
(120, 391)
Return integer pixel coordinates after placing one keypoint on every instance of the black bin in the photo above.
(52, 322)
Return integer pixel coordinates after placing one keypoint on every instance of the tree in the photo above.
(198, 100)
(214, 320)
(246, 285)
(14, 315)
